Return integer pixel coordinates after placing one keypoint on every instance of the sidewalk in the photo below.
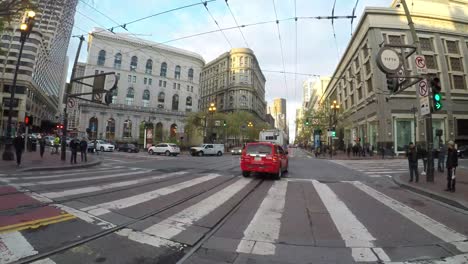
(344, 156)
(436, 189)
(32, 161)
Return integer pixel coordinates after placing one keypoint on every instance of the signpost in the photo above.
(420, 62)
(424, 107)
(423, 88)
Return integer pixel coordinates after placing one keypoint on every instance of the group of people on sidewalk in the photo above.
(451, 163)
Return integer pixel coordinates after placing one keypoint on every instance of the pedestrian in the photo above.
(74, 149)
(412, 155)
(95, 147)
(84, 149)
(42, 144)
(441, 157)
(56, 144)
(18, 143)
(451, 165)
(422, 153)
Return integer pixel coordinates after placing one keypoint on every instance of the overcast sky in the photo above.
(317, 50)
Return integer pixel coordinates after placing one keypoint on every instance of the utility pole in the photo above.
(429, 134)
(63, 155)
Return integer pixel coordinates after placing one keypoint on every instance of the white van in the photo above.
(208, 149)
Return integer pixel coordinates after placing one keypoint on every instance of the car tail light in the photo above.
(272, 157)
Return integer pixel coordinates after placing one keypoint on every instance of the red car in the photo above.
(264, 157)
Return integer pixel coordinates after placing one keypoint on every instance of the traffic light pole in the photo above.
(63, 154)
(429, 134)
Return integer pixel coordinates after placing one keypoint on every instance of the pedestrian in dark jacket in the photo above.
(74, 144)
(422, 154)
(451, 165)
(412, 156)
(42, 144)
(84, 149)
(18, 143)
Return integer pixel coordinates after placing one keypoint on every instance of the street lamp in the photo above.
(25, 28)
(211, 110)
(334, 107)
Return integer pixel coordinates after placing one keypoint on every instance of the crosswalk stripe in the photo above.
(439, 230)
(145, 238)
(353, 232)
(84, 178)
(105, 208)
(263, 231)
(107, 170)
(13, 246)
(174, 225)
(463, 258)
(102, 187)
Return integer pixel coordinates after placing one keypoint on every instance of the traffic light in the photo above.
(59, 126)
(27, 120)
(392, 84)
(333, 132)
(436, 95)
(108, 96)
(307, 122)
(224, 123)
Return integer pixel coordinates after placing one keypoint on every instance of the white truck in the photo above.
(276, 136)
(207, 149)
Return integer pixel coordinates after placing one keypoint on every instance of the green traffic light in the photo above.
(438, 106)
(437, 97)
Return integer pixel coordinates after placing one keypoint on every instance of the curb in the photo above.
(80, 166)
(436, 196)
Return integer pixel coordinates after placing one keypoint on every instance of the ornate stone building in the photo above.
(158, 85)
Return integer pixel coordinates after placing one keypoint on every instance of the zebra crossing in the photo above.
(96, 197)
(377, 168)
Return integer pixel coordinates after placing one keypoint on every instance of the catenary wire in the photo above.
(216, 22)
(352, 19)
(237, 24)
(281, 47)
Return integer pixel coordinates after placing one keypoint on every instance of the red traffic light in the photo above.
(27, 120)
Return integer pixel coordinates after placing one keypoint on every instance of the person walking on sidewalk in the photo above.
(74, 149)
(56, 144)
(451, 165)
(84, 149)
(42, 144)
(441, 157)
(412, 156)
(18, 143)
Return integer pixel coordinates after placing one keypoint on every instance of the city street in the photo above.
(137, 208)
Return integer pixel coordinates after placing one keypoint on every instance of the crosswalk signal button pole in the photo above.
(436, 95)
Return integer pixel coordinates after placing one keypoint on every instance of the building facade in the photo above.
(41, 74)
(278, 111)
(316, 96)
(368, 113)
(73, 110)
(158, 85)
(299, 120)
(234, 82)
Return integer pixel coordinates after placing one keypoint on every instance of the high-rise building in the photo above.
(41, 72)
(316, 92)
(278, 111)
(299, 121)
(234, 81)
(307, 90)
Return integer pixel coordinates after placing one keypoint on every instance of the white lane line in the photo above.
(439, 230)
(85, 216)
(56, 172)
(44, 261)
(144, 238)
(176, 224)
(463, 258)
(105, 208)
(13, 247)
(84, 178)
(63, 175)
(103, 187)
(263, 231)
(353, 232)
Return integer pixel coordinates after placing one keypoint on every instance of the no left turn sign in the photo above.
(420, 62)
(423, 89)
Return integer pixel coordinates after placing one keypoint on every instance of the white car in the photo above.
(168, 149)
(102, 145)
(208, 149)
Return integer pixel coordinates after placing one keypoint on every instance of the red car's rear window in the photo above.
(259, 149)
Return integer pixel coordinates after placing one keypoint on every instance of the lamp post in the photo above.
(25, 28)
(334, 108)
(250, 125)
(211, 110)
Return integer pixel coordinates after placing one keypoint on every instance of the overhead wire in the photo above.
(281, 47)
(237, 24)
(333, 28)
(216, 22)
(352, 19)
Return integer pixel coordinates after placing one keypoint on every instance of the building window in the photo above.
(164, 84)
(359, 90)
(365, 51)
(150, 81)
(163, 71)
(175, 102)
(191, 89)
(459, 82)
(356, 63)
(243, 100)
(177, 72)
(133, 63)
(190, 74)
(145, 80)
(178, 86)
(96, 72)
(129, 78)
(134, 79)
(395, 40)
(146, 98)
(174, 85)
(368, 68)
(149, 66)
(456, 64)
(369, 86)
(426, 44)
(114, 96)
(101, 57)
(188, 101)
(431, 62)
(118, 61)
(452, 47)
(130, 96)
(160, 83)
(127, 129)
(161, 97)
(188, 88)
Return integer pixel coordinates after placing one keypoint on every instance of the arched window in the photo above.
(93, 127)
(118, 61)
(243, 100)
(130, 96)
(114, 96)
(161, 97)
(110, 129)
(134, 63)
(177, 72)
(146, 98)
(173, 131)
(127, 129)
(149, 66)
(101, 57)
(163, 69)
(158, 134)
(190, 74)
(175, 102)
(188, 101)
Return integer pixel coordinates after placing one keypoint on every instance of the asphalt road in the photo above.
(137, 208)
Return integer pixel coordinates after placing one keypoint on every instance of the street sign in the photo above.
(420, 62)
(424, 108)
(71, 103)
(423, 88)
(217, 123)
(388, 60)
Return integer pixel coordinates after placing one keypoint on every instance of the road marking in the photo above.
(84, 179)
(103, 187)
(263, 231)
(144, 238)
(105, 208)
(437, 229)
(61, 175)
(85, 216)
(13, 247)
(353, 232)
(37, 223)
(176, 224)
(463, 258)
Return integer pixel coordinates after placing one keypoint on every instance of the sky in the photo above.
(318, 51)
